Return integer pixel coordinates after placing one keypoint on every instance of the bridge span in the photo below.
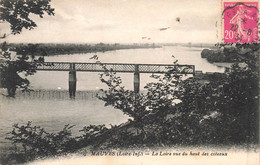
(115, 67)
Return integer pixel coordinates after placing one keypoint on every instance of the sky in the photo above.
(125, 21)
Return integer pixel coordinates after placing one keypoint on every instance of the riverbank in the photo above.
(61, 49)
(225, 55)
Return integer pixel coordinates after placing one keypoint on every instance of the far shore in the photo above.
(62, 49)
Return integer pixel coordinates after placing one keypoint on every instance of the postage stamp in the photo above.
(240, 21)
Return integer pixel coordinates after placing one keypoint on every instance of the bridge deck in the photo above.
(116, 67)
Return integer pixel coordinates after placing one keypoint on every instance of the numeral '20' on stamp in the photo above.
(240, 21)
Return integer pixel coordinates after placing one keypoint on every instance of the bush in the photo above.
(34, 142)
(92, 134)
(191, 112)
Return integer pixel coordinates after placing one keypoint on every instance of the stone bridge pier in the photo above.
(136, 79)
(72, 81)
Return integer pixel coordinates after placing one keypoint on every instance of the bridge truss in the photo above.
(116, 67)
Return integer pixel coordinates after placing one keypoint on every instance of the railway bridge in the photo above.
(72, 68)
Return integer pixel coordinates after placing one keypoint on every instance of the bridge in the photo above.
(115, 67)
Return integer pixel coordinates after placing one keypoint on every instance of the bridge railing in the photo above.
(116, 67)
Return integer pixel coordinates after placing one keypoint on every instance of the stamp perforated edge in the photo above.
(220, 29)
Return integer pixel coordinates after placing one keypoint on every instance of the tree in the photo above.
(148, 111)
(223, 110)
(17, 13)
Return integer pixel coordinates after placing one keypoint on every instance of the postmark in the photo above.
(240, 21)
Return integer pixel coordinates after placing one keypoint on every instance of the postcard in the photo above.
(129, 82)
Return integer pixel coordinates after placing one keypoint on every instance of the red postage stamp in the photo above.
(240, 22)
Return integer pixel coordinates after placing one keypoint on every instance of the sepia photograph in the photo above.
(129, 82)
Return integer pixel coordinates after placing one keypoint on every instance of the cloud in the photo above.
(125, 21)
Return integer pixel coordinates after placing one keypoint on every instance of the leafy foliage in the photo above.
(213, 109)
(130, 103)
(147, 110)
(10, 70)
(32, 142)
(91, 132)
(35, 142)
(18, 12)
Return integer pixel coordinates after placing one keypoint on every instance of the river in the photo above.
(53, 114)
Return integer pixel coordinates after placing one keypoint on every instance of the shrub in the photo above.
(221, 111)
(34, 142)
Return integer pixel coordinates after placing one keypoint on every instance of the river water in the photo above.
(52, 114)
